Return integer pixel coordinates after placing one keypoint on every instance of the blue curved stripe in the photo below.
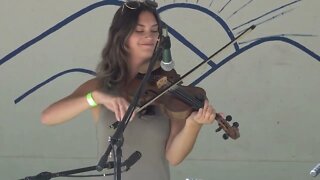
(57, 27)
(81, 70)
(258, 42)
(206, 11)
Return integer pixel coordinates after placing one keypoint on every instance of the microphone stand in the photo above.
(116, 140)
(48, 175)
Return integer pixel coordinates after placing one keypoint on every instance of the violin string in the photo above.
(182, 95)
(177, 90)
(190, 99)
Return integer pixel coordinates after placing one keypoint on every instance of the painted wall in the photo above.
(268, 81)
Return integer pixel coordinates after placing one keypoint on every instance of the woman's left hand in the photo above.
(205, 115)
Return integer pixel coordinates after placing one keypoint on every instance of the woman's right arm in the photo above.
(70, 106)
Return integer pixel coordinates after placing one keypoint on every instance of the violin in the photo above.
(179, 101)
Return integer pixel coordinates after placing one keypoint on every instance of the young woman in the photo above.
(132, 38)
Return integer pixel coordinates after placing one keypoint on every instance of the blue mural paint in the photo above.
(272, 18)
(198, 80)
(224, 6)
(246, 4)
(188, 44)
(56, 27)
(211, 3)
(118, 3)
(281, 7)
(177, 35)
(102, 3)
(258, 42)
(203, 10)
(81, 70)
(279, 35)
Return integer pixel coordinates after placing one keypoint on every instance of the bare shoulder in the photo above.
(87, 86)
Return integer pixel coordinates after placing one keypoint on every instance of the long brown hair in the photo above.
(113, 70)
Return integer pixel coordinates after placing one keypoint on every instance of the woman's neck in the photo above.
(136, 68)
(143, 69)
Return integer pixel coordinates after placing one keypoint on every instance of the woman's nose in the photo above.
(151, 35)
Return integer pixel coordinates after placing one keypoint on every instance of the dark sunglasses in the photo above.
(135, 4)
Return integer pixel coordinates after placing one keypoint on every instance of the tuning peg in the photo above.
(228, 118)
(235, 124)
(218, 129)
(225, 136)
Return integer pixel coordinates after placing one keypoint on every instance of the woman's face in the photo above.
(142, 41)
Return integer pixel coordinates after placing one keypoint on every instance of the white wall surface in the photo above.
(269, 82)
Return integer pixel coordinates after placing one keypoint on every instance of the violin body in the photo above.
(175, 106)
(179, 101)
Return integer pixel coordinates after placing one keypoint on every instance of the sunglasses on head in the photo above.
(136, 4)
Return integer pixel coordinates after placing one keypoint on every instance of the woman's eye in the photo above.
(142, 31)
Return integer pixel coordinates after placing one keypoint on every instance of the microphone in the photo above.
(166, 63)
(132, 159)
(315, 171)
(127, 163)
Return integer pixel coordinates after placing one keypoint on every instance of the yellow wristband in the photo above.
(90, 100)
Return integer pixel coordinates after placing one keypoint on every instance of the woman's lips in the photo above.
(148, 46)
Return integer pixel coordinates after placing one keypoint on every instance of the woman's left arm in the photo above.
(183, 133)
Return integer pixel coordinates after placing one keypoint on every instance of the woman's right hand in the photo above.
(116, 104)
(70, 106)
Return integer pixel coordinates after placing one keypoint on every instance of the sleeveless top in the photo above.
(147, 134)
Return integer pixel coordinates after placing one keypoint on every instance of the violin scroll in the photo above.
(230, 131)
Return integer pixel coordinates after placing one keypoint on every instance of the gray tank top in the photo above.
(147, 135)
